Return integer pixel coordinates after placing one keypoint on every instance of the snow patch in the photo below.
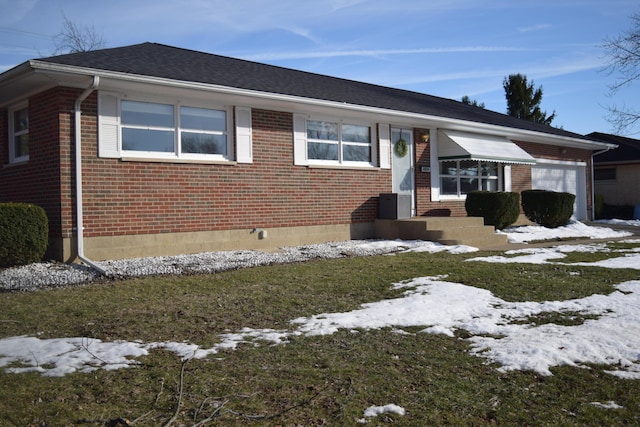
(374, 411)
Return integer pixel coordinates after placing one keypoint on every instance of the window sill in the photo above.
(452, 198)
(344, 167)
(193, 161)
(17, 163)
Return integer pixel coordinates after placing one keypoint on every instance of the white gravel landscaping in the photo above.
(52, 274)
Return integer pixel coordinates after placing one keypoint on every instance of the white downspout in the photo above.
(78, 153)
(593, 183)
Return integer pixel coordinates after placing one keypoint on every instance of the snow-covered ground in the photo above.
(498, 333)
(573, 230)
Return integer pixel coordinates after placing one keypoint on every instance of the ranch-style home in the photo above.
(617, 172)
(155, 150)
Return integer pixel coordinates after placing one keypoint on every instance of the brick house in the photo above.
(617, 172)
(181, 151)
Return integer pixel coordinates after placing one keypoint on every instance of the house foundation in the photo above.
(168, 244)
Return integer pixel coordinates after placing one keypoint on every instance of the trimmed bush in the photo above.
(617, 211)
(498, 209)
(24, 233)
(548, 208)
(598, 203)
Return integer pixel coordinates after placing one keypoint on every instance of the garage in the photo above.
(568, 177)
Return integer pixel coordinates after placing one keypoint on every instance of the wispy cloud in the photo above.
(475, 78)
(276, 56)
(13, 11)
(342, 4)
(537, 27)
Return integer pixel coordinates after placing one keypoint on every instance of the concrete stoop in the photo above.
(469, 231)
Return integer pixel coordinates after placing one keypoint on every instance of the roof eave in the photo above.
(82, 73)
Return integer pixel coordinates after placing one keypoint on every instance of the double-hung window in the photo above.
(335, 142)
(148, 127)
(460, 177)
(142, 129)
(203, 131)
(177, 130)
(19, 134)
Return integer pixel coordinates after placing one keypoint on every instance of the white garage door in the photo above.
(568, 178)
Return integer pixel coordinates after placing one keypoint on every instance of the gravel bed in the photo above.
(54, 275)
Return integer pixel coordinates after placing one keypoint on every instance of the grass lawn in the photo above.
(316, 380)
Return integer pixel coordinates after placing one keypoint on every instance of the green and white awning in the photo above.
(457, 145)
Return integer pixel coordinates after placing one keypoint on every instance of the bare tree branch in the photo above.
(623, 54)
(74, 38)
(180, 387)
(623, 119)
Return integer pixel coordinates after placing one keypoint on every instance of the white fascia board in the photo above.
(414, 119)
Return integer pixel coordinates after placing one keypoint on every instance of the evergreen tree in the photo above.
(466, 100)
(523, 100)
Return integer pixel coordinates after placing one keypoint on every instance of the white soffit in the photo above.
(457, 145)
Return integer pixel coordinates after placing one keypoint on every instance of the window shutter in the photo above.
(244, 148)
(507, 178)
(300, 140)
(108, 125)
(385, 146)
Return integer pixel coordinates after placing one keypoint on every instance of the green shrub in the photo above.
(24, 233)
(617, 211)
(598, 202)
(498, 209)
(548, 208)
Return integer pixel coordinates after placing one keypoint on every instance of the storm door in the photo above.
(402, 165)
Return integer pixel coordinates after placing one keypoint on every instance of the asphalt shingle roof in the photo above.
(157, 60)
(628, 148)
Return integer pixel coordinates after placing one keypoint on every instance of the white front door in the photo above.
(402, 165)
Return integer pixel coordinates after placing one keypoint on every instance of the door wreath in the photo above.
(401, 147)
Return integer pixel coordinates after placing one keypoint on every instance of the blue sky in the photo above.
(447, 48)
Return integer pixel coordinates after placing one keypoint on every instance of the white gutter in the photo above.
(593, 181)
(78, 154)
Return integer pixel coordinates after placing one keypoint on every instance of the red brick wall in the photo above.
(38, 180)
(144, 197)
(553, 152)
(132, 197)
(425, 207)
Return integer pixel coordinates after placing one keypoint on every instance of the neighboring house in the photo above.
(617, 172)
(181, 151)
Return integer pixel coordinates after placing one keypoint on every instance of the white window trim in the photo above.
(110, 131)
(301, 143)
(12, 134)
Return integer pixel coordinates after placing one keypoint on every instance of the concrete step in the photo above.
(458, 233)
(438, 223)
(481, 242)
(469, 231)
